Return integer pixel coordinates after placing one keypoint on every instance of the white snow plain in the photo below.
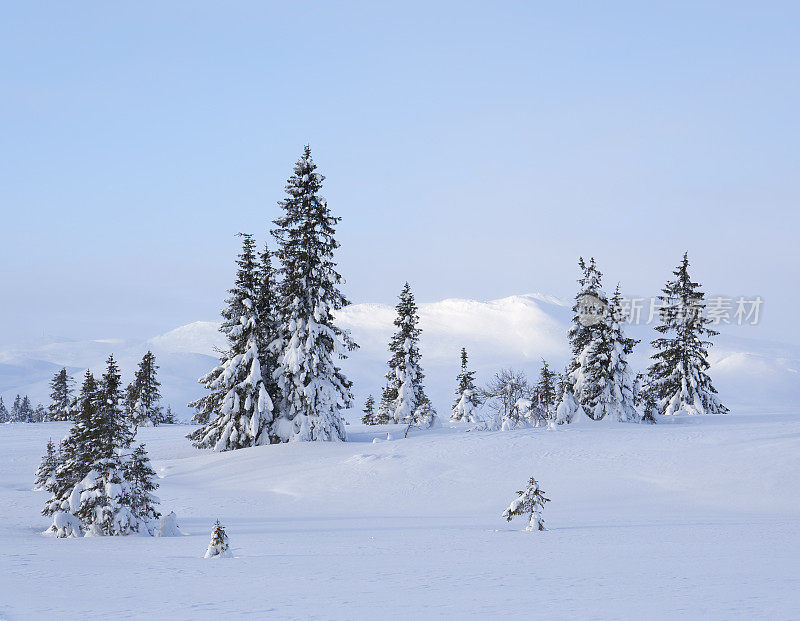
(693, 518)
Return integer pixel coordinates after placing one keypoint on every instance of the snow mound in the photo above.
(168, 526)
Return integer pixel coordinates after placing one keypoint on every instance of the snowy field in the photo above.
(698, 518)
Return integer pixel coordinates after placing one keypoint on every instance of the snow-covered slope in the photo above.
(516, 331)
(695, 519)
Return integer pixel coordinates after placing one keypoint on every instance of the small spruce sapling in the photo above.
(369, 412)
(529, 502)
(219, 545)
(646, 400)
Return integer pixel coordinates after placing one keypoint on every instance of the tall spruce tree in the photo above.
(4, 415)
(61, 396)
(238, 410)
(405, 373)
(589, 322)
(313, 390)
(678, 375)
(143, 395)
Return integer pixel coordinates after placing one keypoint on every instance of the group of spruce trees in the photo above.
(598, 380)
(99, 483)
(22, 411)
(141, 399)
(278, 380)
(597, 384)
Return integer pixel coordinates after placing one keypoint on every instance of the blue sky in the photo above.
(475, 149)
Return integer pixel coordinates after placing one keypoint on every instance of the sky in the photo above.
(473, 149)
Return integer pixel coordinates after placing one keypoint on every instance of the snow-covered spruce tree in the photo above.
(405, 373)
(649, 407)
(61, 396)
(26, 412)
(466, 397)
(4, 415)
(313, 390)
(140, 474)
(40, 414)
(605, 367)
(45, 474)
(144, 396)
(545, 392)
(646, 401)
(588, 323)
(219, 545)
(679, 375)
(530, 502)
(169, 416)
(383, 415)
(369, 411)
(238, 410)
(16, 410)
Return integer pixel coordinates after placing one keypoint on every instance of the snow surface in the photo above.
(694, 518)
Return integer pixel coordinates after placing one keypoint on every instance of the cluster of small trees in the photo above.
(509, 400)
(99, 483)
(278, 381)
(22, 411)
(598, 383)
(141, 399)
